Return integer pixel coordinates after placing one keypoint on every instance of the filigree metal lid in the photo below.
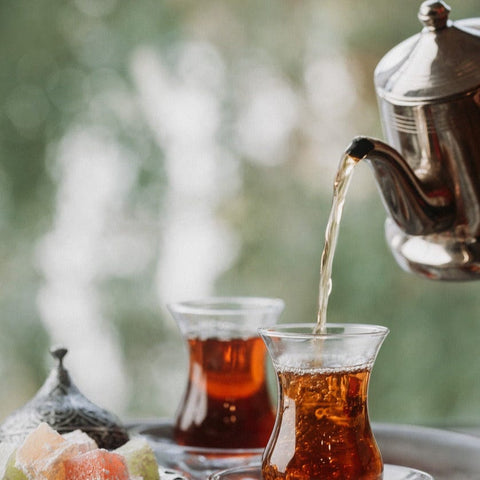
(440, 62)
(61, 404)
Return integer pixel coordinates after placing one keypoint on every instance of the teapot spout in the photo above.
(416, 210)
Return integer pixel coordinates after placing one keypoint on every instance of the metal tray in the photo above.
(444, 454)
(391, 472)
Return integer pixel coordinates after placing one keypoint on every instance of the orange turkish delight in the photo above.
(97, 464)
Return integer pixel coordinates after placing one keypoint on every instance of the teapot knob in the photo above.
(434, 14)
(58, 353)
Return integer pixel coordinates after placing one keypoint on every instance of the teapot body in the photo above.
(441, 143)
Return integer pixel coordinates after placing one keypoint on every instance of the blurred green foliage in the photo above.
(60, 60)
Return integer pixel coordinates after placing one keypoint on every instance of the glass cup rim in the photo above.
(227, 305)
(348, 330)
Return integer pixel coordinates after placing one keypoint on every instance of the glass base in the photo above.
(253, 472)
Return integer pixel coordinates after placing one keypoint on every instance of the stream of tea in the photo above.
(340, 188)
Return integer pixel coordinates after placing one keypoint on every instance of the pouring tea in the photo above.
(428, 172)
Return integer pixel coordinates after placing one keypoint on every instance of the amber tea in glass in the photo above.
(322, 430)
(226, 403)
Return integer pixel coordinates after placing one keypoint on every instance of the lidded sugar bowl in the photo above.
(61, 404)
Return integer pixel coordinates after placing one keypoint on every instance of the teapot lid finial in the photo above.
(61, 374)
(434, 14)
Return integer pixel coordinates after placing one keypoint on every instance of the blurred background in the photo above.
(162, 150)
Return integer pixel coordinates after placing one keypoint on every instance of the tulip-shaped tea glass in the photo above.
(226, 403)
(322, 429)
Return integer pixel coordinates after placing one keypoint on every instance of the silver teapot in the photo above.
(428, 89)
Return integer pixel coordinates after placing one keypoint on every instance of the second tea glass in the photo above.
(322, 429)
(226, 403)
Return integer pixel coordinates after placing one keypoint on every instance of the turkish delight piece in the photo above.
(34, 456)
(97, 464)
(82, 442)
(140, 458)
(6, 452)
(8, 471)
(44, 451)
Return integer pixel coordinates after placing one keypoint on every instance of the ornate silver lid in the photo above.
(61, 404)
(440, 62)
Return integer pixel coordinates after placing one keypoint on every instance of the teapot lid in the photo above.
(439, 62)
(61, 404)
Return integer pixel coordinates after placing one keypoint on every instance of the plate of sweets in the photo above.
(48, 455)
(61, 435)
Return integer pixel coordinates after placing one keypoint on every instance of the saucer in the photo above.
(196, 462)
(253, 472)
